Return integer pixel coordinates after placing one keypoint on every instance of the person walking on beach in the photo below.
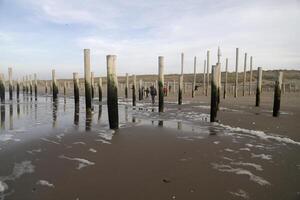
(153, 93)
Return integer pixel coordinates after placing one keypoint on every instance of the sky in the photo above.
(37, 36)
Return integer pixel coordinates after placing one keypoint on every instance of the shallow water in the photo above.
(42, 141)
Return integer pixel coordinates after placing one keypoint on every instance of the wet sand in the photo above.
(48, 151)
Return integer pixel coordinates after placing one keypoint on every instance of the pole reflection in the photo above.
(54, 112)
(2, 115)
(76, 114)
(88, 120)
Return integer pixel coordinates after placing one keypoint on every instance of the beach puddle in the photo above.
(51, 150)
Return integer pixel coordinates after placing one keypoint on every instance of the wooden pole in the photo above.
(258, 88)
(35, 86)
(65, 88)
(30, 85)
(245, 74)
(180, 81)
(54, 85)
(194, 81)
(112, 92)
(87, 80)
(2, 88)
(207, 73)
(140, 90)
(250, 78)
(133, 90)
(161, 84)
(100, 89)
(23, 85)
(126, 86)
(18, 89)
(226, 77)
(174, 87)
(219, 78)
(46, 87)
(10, 84)
(92, 84)
(214, 93)
(236, 72)
(277, 95)
(26, 85)
(204, 75)
(76, 87)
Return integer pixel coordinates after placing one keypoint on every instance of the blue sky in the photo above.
(40, 35)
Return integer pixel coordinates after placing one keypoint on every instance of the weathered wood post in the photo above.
(204, 75)
(87, 80)
(226, 77)
(160, 84)
(10, 84)
(214, 93)
(180, 82)
(54, 85)
(258, 87)
(283, 88)
(23, 85)
(126, 86)
(46, 87)
(174, 87)
(219, 78)
(236, 72)
(2, 88)
(207, 73)
(76, 87)
(245, 74)
(100, 89)
(140, 90)
(65, 88)
(18, 89)
(112, 92)
(30, 85)
(35, 86)
(277, 95)
(26, 85)
(194, 81)
(133, 90)
(250, 78)
(92, 84)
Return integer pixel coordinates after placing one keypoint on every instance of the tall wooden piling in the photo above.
(54, 85)
(87, 80)
(133, 90)
(245, 74)
(35, 86)
(194, 80)
(46, 87)
(250, 78)
(30, 85)
(92, 84)
(10, 83)
(126, 86)
(277, 95)
(214, 93)
(2, 88)
(207, 73)
(161, 84)
(180, 81)
(140, 89)
(236, 72)
(18, 89)
(100, 89)
(204, 77)
(226, 78)
(65, 88)
(76, 87)
(23, 85)
(26, 85)
(112, 92)
(258, 87)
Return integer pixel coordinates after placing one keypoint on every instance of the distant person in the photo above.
(153, 93)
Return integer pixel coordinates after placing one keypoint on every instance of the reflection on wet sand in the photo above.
(2, 116)
(76, 115)
(11, 123)
(100, 112)
(54, 112)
